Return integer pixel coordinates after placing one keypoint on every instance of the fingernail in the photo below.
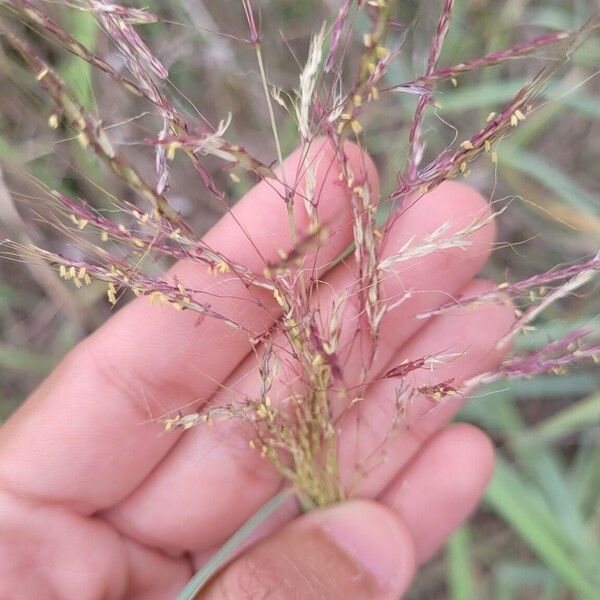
(375, 538)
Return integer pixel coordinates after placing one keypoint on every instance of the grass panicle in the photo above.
(117, 243)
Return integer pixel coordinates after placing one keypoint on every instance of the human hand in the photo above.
(96, 503)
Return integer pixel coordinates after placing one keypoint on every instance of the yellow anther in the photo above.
(278, 298)
(171, 149)
(222, 267)
(356, 126)
(381, 52)
(82, 138)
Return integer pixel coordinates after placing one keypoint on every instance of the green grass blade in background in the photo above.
(550, 176)
(550, 487)
(458, 566)
(495, 93)
(573, 419)
(516, 501)
(76, 72)
(23, 361)
(522, 580)
(585, 475)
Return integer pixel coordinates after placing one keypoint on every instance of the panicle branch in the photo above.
(532, 288)
(415, 137)
(33, 14)
(89, 129)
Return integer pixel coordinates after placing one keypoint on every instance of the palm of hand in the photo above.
(95, 503)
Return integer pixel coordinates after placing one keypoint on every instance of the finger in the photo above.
(440, 488)
(354, 550)
(49, 552)
(235, 480)
(152, 575)
(380, 435)
(89, 419)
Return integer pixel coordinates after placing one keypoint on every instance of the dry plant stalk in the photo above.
(297, 433)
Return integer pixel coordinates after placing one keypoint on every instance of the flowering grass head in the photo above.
(307, 365)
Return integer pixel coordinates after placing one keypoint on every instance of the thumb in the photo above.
(358, 549)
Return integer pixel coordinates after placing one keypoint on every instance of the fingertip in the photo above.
(459, 192)
(323, 179)
(331, 195)
(463, 204)
(363, 166)
(474, 442)
(356, 549)
(442, 485)
(374, 537)
(495, 315)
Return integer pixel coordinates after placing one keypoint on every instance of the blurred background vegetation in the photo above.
(537, 534)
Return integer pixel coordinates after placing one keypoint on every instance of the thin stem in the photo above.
(263, 77)
(289, 202)
(415, 136)
(201, 578)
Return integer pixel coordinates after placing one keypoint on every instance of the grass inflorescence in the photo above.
(294, 417)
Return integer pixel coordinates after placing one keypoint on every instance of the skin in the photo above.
(97, 502)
